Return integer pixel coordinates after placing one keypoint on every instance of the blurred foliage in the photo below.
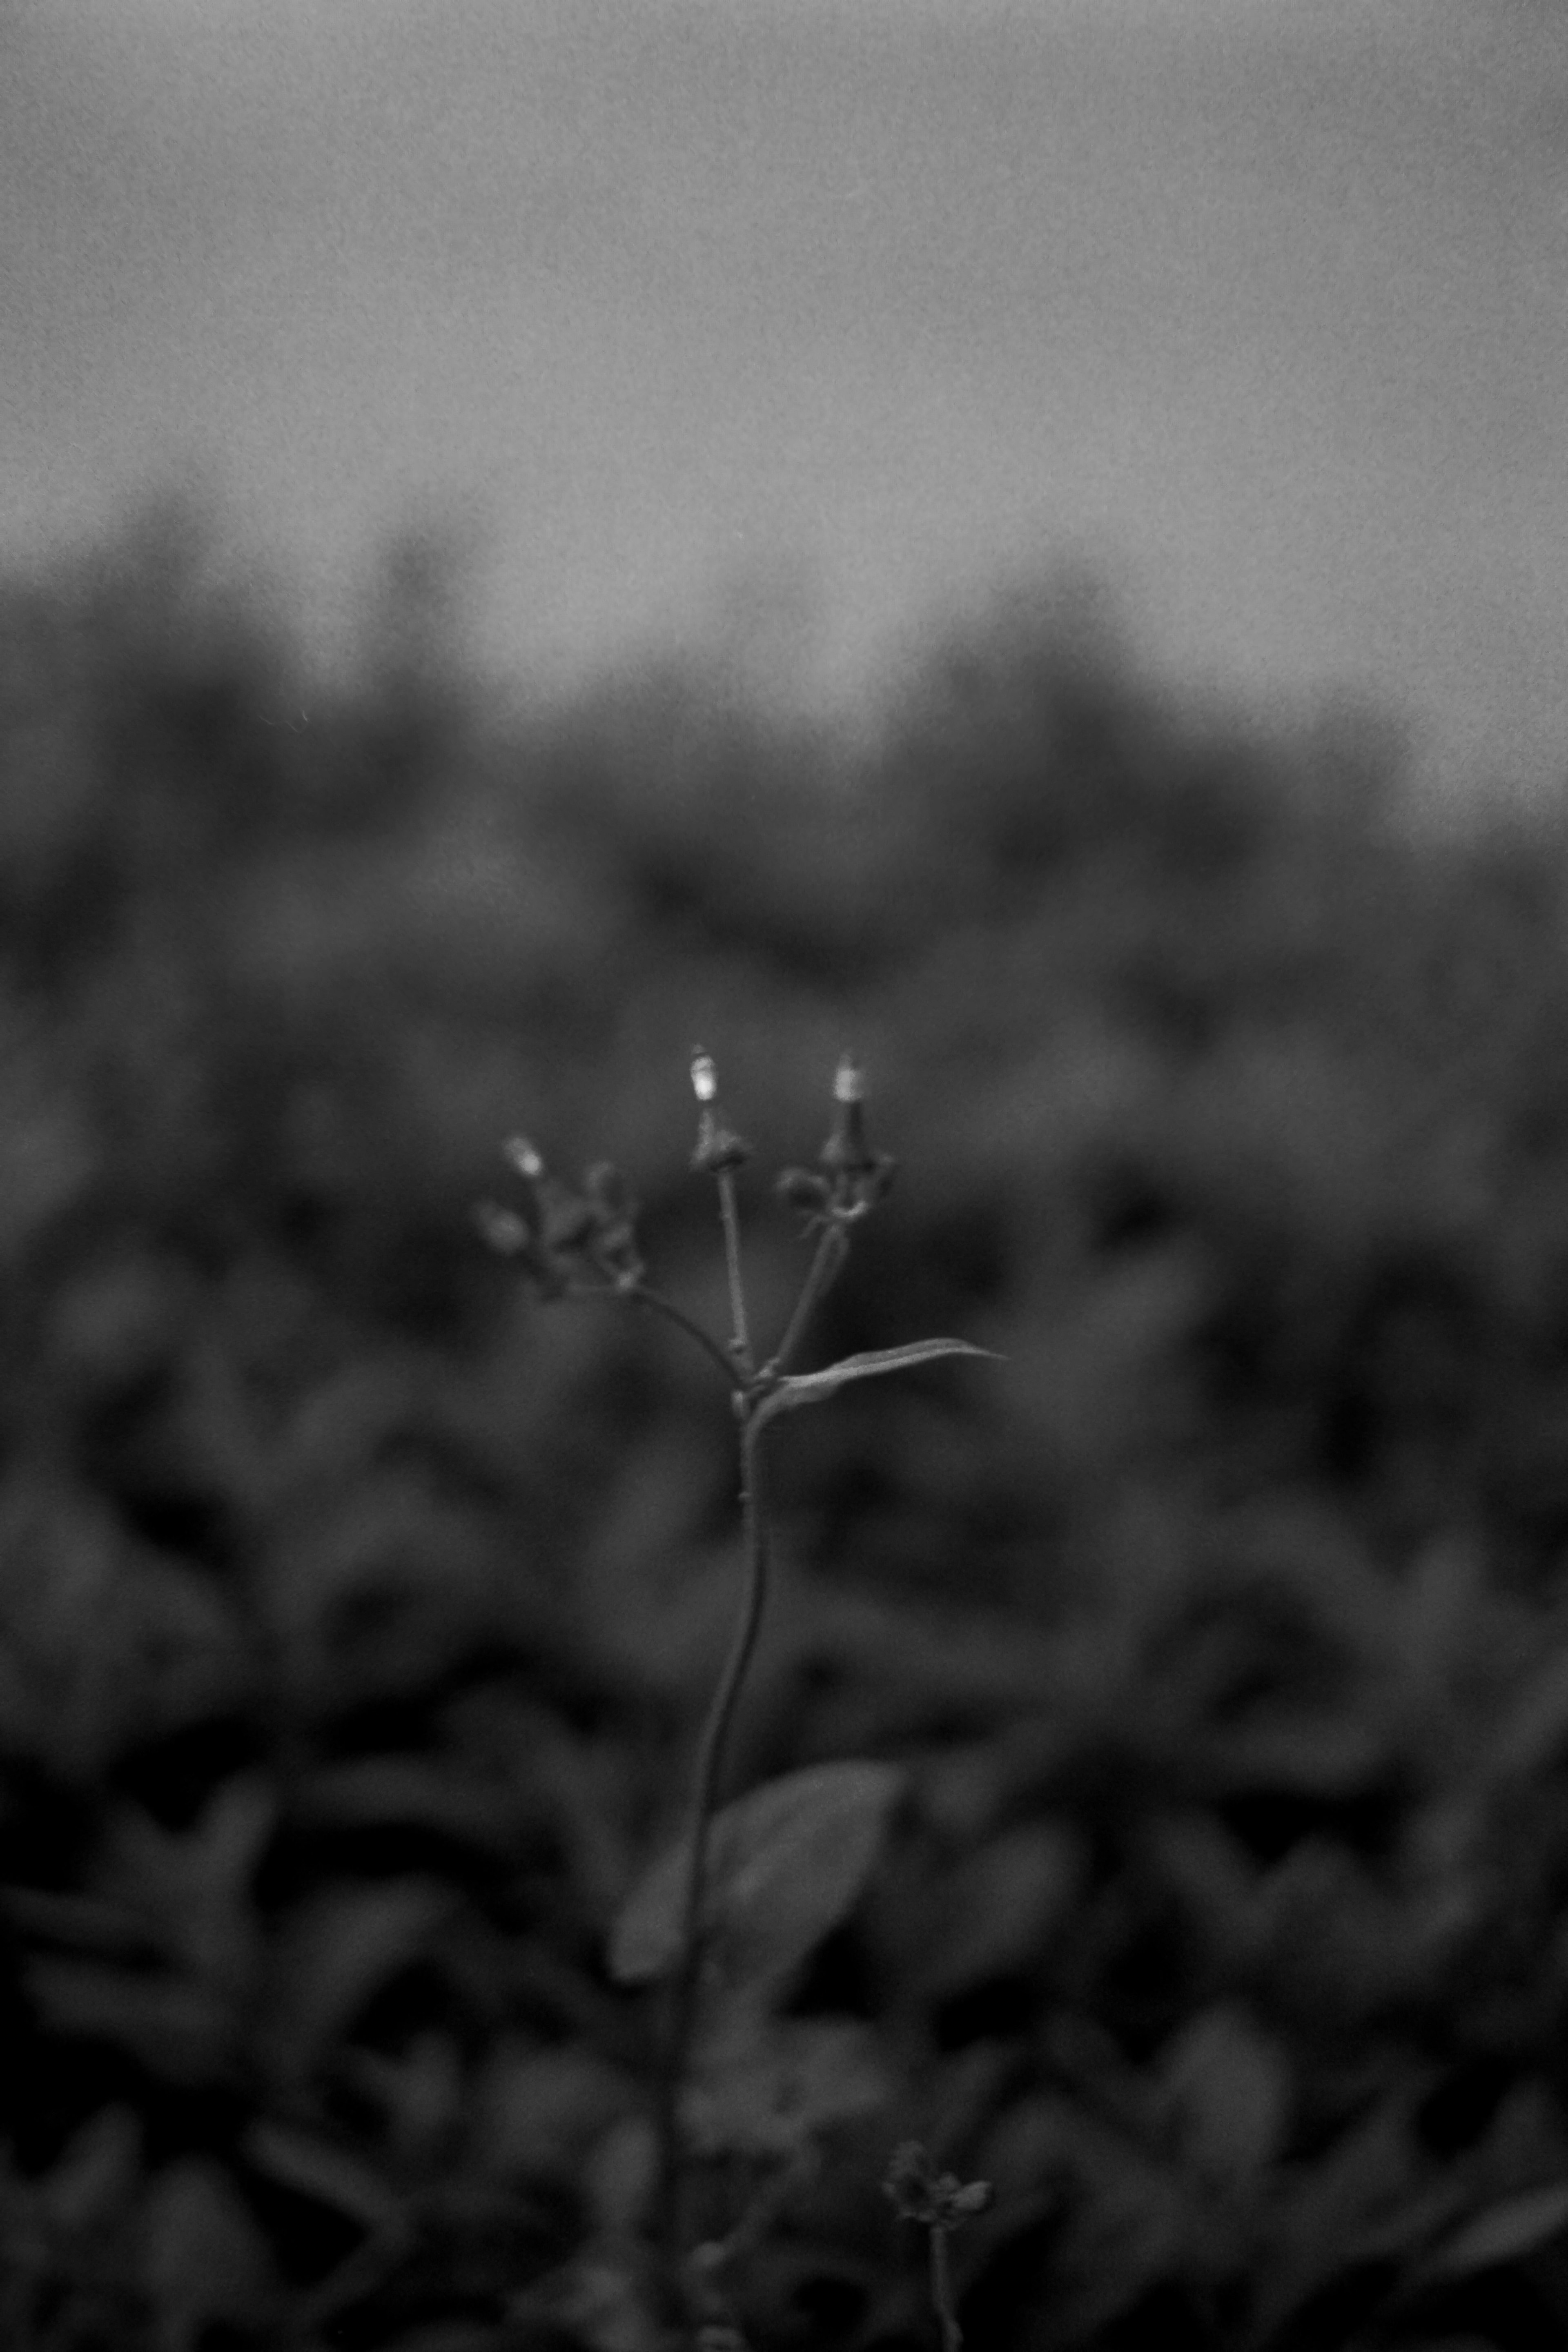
(355, 1612)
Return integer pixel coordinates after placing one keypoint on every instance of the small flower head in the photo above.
(938, 2200)
(718, 1148)
(613, 1212)
(561, 1236)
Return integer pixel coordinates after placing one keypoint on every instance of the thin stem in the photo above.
(660, 1305)
(941, 2294)
(831, 1252)
(731, 1220)
(705, 1789)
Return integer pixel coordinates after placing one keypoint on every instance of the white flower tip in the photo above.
(523, 1157)
(849, 1083)
(704, 1077)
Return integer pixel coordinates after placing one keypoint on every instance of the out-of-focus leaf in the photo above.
(800, 1389)
(765, 2086)
(397, 1792)
(97, 2173)
(1515, 2226)
(1535, 1727)
(539, 2110)
(1437, 1611)
(79, 1919)
(191, 1887)
(603, 2302)
(340, 1428)
(180, 2030)
(387, 1536)
(340, 1950)
(203, 2256)
(73, 1681)
(420, 2092)
(1365, 2198)
(620, 2176)
(330, 2174)
(445, 2336)
(784, 1864)
(1124, 2228)
(1326, 1755)
(1001, 1907)
(1228, 2085)
(194, 1647)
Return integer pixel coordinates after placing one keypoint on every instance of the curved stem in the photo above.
(707, 1779)
(660, 1305)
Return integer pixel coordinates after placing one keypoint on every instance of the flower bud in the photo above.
(503, 1229)
(718, 1148)
(845, 1153)
(801, 1189)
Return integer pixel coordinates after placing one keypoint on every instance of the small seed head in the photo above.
(849, 1080)
(704, 1077)
(503, 1229)
(522, 1156)
(939, 2200)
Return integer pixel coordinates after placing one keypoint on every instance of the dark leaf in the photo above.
(1504, 2232)
(764, 2086)
(340, 1951)
(784, 1864)
(203, 2258)
(330, 2174)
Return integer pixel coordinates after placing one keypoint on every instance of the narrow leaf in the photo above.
(815, 1388)
(329, 2175)
(784, 1864)
(1505, 2231)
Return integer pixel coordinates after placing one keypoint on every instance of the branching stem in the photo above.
(660, 1305)
(832, 1249)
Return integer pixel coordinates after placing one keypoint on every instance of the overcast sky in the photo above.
(1265, 301)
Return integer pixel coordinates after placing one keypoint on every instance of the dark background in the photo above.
(356, 1609)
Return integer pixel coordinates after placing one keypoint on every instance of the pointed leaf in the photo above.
(329, 2174)
(339, 1951)
(815, 1388)
(784, 1864)
(97, 2172)
(1229, 2086)
(204, 2256)
(1515, 2226)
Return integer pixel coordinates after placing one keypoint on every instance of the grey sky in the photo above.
(1264, 300)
